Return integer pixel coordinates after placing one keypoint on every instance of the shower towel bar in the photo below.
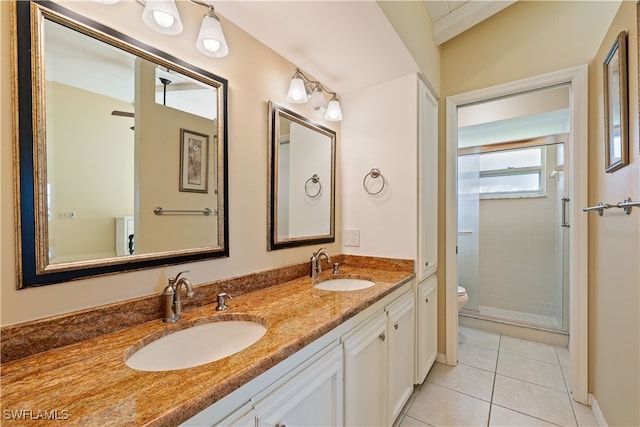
(626, 205)
(160, 211)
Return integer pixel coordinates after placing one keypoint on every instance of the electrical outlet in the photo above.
(352, 237)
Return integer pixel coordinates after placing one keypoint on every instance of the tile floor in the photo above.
(499, 381)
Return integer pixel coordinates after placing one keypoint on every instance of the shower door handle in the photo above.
(565, 224)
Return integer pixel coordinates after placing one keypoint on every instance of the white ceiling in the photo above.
(348, 45)
(452, 17)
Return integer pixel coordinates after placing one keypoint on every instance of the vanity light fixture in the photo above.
(302, 89)
(211, 41)
(163, 17)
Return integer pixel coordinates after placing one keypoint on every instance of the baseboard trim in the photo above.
(597, 412)
(441, 358)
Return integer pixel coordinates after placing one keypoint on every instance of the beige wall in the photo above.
(256, 74)
(411, 21)
(104, 160)
(524, 40)
(534, 37)
(614, 248)
(158, 146)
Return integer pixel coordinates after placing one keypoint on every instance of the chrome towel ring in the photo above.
(315, 179)
(374, 174)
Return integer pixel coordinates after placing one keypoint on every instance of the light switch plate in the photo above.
(352, 237)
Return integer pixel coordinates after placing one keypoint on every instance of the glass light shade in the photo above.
(334, 112)
(162, 16)
(317, 100)
(211, 41)
(297, 92)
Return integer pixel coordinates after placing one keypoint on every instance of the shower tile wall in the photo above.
(519, 268)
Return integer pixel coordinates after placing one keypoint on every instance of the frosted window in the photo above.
(529, 157)
(512, 173)
(510, 183)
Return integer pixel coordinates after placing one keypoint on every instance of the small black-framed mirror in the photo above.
(301, 180)
(616, 106)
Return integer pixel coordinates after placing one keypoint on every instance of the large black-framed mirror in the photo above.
(120, 151)
(301, 180)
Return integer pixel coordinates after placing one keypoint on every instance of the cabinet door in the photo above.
(427, 326)
(400, 348)
(365, 364)
(241, 418)
(427, 183)
(313, 397)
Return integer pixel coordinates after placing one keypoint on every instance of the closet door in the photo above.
(427, 183)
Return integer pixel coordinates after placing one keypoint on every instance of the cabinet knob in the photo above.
(382, 336)
(396, 326)
(426, 264)
(280, 425)
(427, 300)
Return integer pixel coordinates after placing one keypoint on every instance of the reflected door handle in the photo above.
(565, 224)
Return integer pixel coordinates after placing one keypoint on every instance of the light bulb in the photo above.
(334, 113)
(317, 100)
(297, 92)
(211, 45)
(211, 40)
(163, 18)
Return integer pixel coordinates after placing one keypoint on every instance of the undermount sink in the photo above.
(344, 284)
(196, 345)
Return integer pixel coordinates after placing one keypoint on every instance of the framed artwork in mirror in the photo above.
(194, 161)
(616, 106)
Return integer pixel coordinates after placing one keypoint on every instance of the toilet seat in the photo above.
(461, 291)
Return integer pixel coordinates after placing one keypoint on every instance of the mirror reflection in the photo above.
(130, 155)
(302, 177)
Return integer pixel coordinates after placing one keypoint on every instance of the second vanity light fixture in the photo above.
(163, 17)
(302, 89)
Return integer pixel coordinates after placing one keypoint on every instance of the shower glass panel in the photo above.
(468, 226)
(511, 247)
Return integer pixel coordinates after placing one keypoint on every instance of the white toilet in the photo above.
(462, 297)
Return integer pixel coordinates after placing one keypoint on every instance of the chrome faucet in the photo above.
(172, 298)
(316, 262)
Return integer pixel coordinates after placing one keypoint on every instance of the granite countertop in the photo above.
(88, 383)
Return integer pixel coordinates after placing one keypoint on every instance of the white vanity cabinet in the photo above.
(365, 365)
(427, 327)
(400, 350)
(311, 397)
(379, 365)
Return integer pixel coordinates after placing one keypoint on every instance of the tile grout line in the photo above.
(493, 387)
(567, 388)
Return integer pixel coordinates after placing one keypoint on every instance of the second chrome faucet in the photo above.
(316, 262)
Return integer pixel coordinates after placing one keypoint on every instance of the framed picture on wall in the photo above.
(616, 106)
(194, 161)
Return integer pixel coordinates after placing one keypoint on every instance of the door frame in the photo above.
(576, 164)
